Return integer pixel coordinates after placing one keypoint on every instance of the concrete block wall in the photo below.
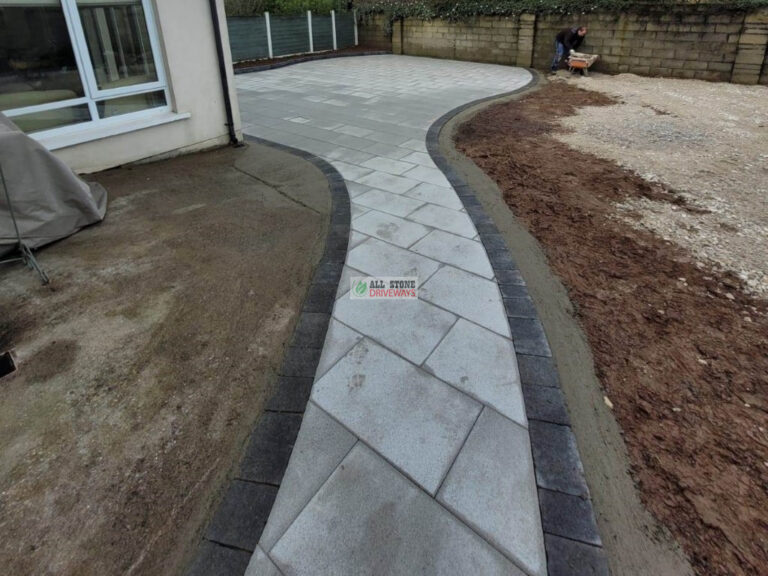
(688, 42)
(373, 32)
(493, 40)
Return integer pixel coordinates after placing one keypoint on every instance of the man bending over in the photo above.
(566, 42)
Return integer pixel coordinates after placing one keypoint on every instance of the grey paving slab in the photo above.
(390, 228)
(346, 276)
(421, 158)
(445, 219)
(350, 171)
(356, 238)
(387, 202)
(261, 565)
(411, 328)
(353, 131)
(489, 487)
(416, 145)
(388, 165)
(356, 210)
(356, 189)
(348, 155)
(436, 195)
(412, 419)
(369, 519)
(387, 138)
(322, 444)
(456, 250)
(482, 364)
(388, 182)
(469, 296)
(338, 341)
(384, 259)
(428, 174)
(387, 150)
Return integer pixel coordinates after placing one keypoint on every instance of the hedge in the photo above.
(282, 7)
(453, 10)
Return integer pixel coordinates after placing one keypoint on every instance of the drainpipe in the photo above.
(223, 73)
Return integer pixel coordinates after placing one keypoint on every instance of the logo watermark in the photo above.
(375, 288)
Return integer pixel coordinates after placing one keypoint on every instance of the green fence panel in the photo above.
(290, 35)
(345, 30)
(322, 33)
(248, 38)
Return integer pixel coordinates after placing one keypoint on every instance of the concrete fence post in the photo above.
(752, 48)
(309, 27)
(354, 19)
(269, 34)
(333, 28)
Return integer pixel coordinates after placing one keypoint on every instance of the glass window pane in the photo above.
(37, 63)
(133, 103)
(52, 118)
(118, 42)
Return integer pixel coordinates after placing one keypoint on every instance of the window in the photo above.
(78, 62)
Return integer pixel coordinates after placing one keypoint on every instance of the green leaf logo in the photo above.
(361, 288)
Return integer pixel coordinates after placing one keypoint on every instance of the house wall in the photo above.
(191, 64)
(688, 41)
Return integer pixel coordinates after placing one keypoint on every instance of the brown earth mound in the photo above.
(681, 350)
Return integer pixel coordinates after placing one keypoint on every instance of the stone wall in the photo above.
(688, 42)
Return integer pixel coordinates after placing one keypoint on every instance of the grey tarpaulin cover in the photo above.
(49, 201)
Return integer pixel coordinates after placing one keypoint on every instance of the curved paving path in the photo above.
(414, 454)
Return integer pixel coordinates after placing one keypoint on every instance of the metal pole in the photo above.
(333, 28)
(26, 254)
(269, 34)
(354, 17)
(309, 25)
(10, 206)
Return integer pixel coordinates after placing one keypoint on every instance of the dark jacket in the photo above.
(569, 37)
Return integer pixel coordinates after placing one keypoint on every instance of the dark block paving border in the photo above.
(236, 527)
(571, 538)
(308, 58)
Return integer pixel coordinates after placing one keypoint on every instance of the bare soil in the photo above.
(143, 366)
(679, 348)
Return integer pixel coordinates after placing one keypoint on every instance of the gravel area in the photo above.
(707, 142)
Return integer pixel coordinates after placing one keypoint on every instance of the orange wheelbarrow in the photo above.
(580, 61)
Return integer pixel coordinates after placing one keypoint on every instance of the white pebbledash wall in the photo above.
(189, 50)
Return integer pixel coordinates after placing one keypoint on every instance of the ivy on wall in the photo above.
(463, 9)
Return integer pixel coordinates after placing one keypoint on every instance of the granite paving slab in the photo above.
(405, 381)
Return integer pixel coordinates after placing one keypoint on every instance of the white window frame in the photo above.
(95, 95)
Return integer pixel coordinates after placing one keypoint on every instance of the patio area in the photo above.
(414, 452)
